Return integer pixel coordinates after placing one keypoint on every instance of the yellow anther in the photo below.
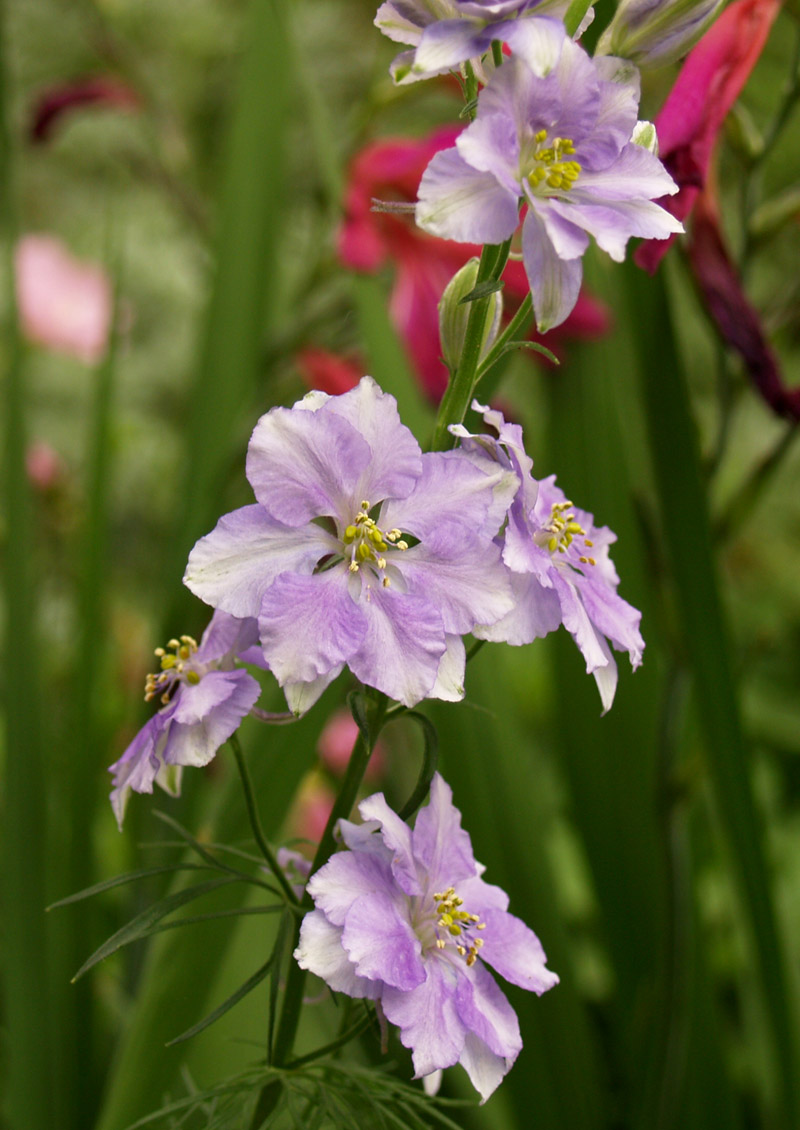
(592, 561)
(589, 543)
(552, 545)
(159, 652)
(402, 545)
(193, 678)
(363, 552)
(174, 644)
(480, 926)
(386, 582)
(454, 930)
(353, 567)
(167, 661)
(350, 533)
(365, 505)
(539, 136)
(584, 560)
(382, 562)
(574, 528)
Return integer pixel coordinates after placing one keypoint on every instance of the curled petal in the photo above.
(555, 283)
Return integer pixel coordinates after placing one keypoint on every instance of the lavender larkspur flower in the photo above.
(203, 699)
(562, 145)
(560, 566)
(446, 33)
(359, 551)
(404, 918)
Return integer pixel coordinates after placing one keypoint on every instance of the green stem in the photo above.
(461, 387)
(497, 52)
(255, 822)
(326, 1049)
(295, 980)
(517, 324)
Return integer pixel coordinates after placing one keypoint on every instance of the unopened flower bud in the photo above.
(652, 33)
(644, 134)
(454, 315)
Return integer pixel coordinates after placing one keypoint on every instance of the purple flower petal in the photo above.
(537, 41)
(207, 715)
(536, 613)
(381, 943)
(233, 566)
(404, 640)
(320, 951)
(485, 1069)
(555, 283)
(440, 843)
(309, 625)
(396, 835)
(484, 1010)
(458, 202)
(449, 685)
(427, 1018)
(462, 576)
(347, 876)
(513, 949)
(304, 464)
(396, 461)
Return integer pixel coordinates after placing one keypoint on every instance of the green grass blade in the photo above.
(140, 926)
(27, 1104)
(226, 1005)
(704, 636)
(249, 226)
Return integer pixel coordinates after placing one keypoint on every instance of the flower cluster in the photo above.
(555, 134)
(404, 918)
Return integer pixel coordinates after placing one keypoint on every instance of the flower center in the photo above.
(562, 529)
(365, 542)
(547, 168)
(453, 925)
(176, 667)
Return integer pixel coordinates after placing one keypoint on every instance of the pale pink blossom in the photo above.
(64, 304)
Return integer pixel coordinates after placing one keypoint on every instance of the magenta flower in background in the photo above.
(446, 33)
(404, 918)
(56, 103)
(390, 169)
(709, 83)
(203, 700)
(360, 551)
(63, 304)
(563, 146)
(561, 570)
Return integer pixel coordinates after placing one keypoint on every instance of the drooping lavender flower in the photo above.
(404, 918)
(203, 699)
(359, 551)
(446, 33)
(562, 145)
(561, 570)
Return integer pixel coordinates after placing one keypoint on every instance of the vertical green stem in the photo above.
(255, 821)
(461, 387)
(28, 1104)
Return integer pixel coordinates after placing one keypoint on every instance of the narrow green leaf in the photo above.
(141, 925)
(130, 877)
(575, 14)
(482, 290)
(686, 528)
(228, 1004)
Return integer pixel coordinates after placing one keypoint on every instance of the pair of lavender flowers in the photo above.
(363, 551)
(556, 134)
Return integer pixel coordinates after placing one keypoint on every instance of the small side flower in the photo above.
(560, 566)
(203, 700)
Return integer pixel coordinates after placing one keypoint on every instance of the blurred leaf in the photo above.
(228, 1004)
(704, 636)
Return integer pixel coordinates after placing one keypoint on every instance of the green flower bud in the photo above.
(653, 32)
(454, 315)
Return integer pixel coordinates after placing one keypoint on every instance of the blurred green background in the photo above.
(655, 850)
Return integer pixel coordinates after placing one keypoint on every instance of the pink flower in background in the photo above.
(709, 83)
(45, 467)
(391, 170)
(336, 744)
(310, 809)
(327, 372)
(56, 102)
(64, 304)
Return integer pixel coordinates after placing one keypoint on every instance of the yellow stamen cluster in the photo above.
(551, 170)
(173, 666)
(369, 542)
(562, 530)
(456, 922)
